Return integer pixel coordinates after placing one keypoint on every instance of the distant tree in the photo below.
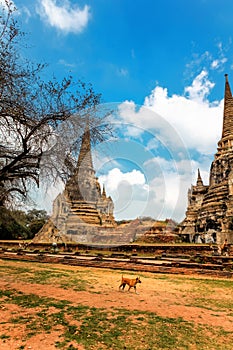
(20, 216)
(35, 214)
(10, 225)
(33, 142)
(35, 221)
(121, 222)
(15, 224)
(146, 218)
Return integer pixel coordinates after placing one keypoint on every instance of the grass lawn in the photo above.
(63, 307)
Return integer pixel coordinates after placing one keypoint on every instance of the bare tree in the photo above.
(31, 114)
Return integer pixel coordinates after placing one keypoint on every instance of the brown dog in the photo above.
(130, 282)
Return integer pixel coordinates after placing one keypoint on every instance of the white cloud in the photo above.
(66, 17)
(198, 61)
(129, 192)
(168, 187)
(153, 144)
(211, 60)
(191, 120)
(163, 196)
(218, 63)
(200, 87)
(102, 161)
(115, 177)
(196, 119)
(183, 124)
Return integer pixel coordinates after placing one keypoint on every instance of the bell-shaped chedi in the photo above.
(195, 199)
(210, 208)
(83, 205)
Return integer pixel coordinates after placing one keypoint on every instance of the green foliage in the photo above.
(15, 224)
(35, 220)
(10, 228)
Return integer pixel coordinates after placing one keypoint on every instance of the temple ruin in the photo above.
(82, 200)
(209, 216)
(82, 209)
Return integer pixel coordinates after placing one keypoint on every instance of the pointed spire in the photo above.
(228, 93)
(199, 179)
(227, 129)
(104, 192)
(85, 157)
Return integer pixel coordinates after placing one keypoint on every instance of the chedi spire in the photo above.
(85, 157)
(227, 129)
(199, 179)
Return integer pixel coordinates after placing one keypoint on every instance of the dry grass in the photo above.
(63, 307)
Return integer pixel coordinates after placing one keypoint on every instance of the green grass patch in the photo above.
(4, 336)
(111, 329)
(61, 278)
(212, 304)
(117, 329)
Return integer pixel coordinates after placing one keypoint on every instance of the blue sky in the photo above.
(161, 64)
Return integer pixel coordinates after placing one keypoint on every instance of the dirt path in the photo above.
(156, 295)
(153, 295)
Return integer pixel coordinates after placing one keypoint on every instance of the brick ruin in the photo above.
(82, 198)
(209, 216)
(82, 209)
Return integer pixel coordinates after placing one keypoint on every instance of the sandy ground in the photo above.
(160, 296)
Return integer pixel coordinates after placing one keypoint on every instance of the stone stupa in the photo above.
(82, 210)
(210, 208)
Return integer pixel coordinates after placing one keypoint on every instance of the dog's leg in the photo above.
(122, 286)
(121, 283)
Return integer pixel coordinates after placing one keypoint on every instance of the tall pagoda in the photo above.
(83, 205)
(210, 208)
